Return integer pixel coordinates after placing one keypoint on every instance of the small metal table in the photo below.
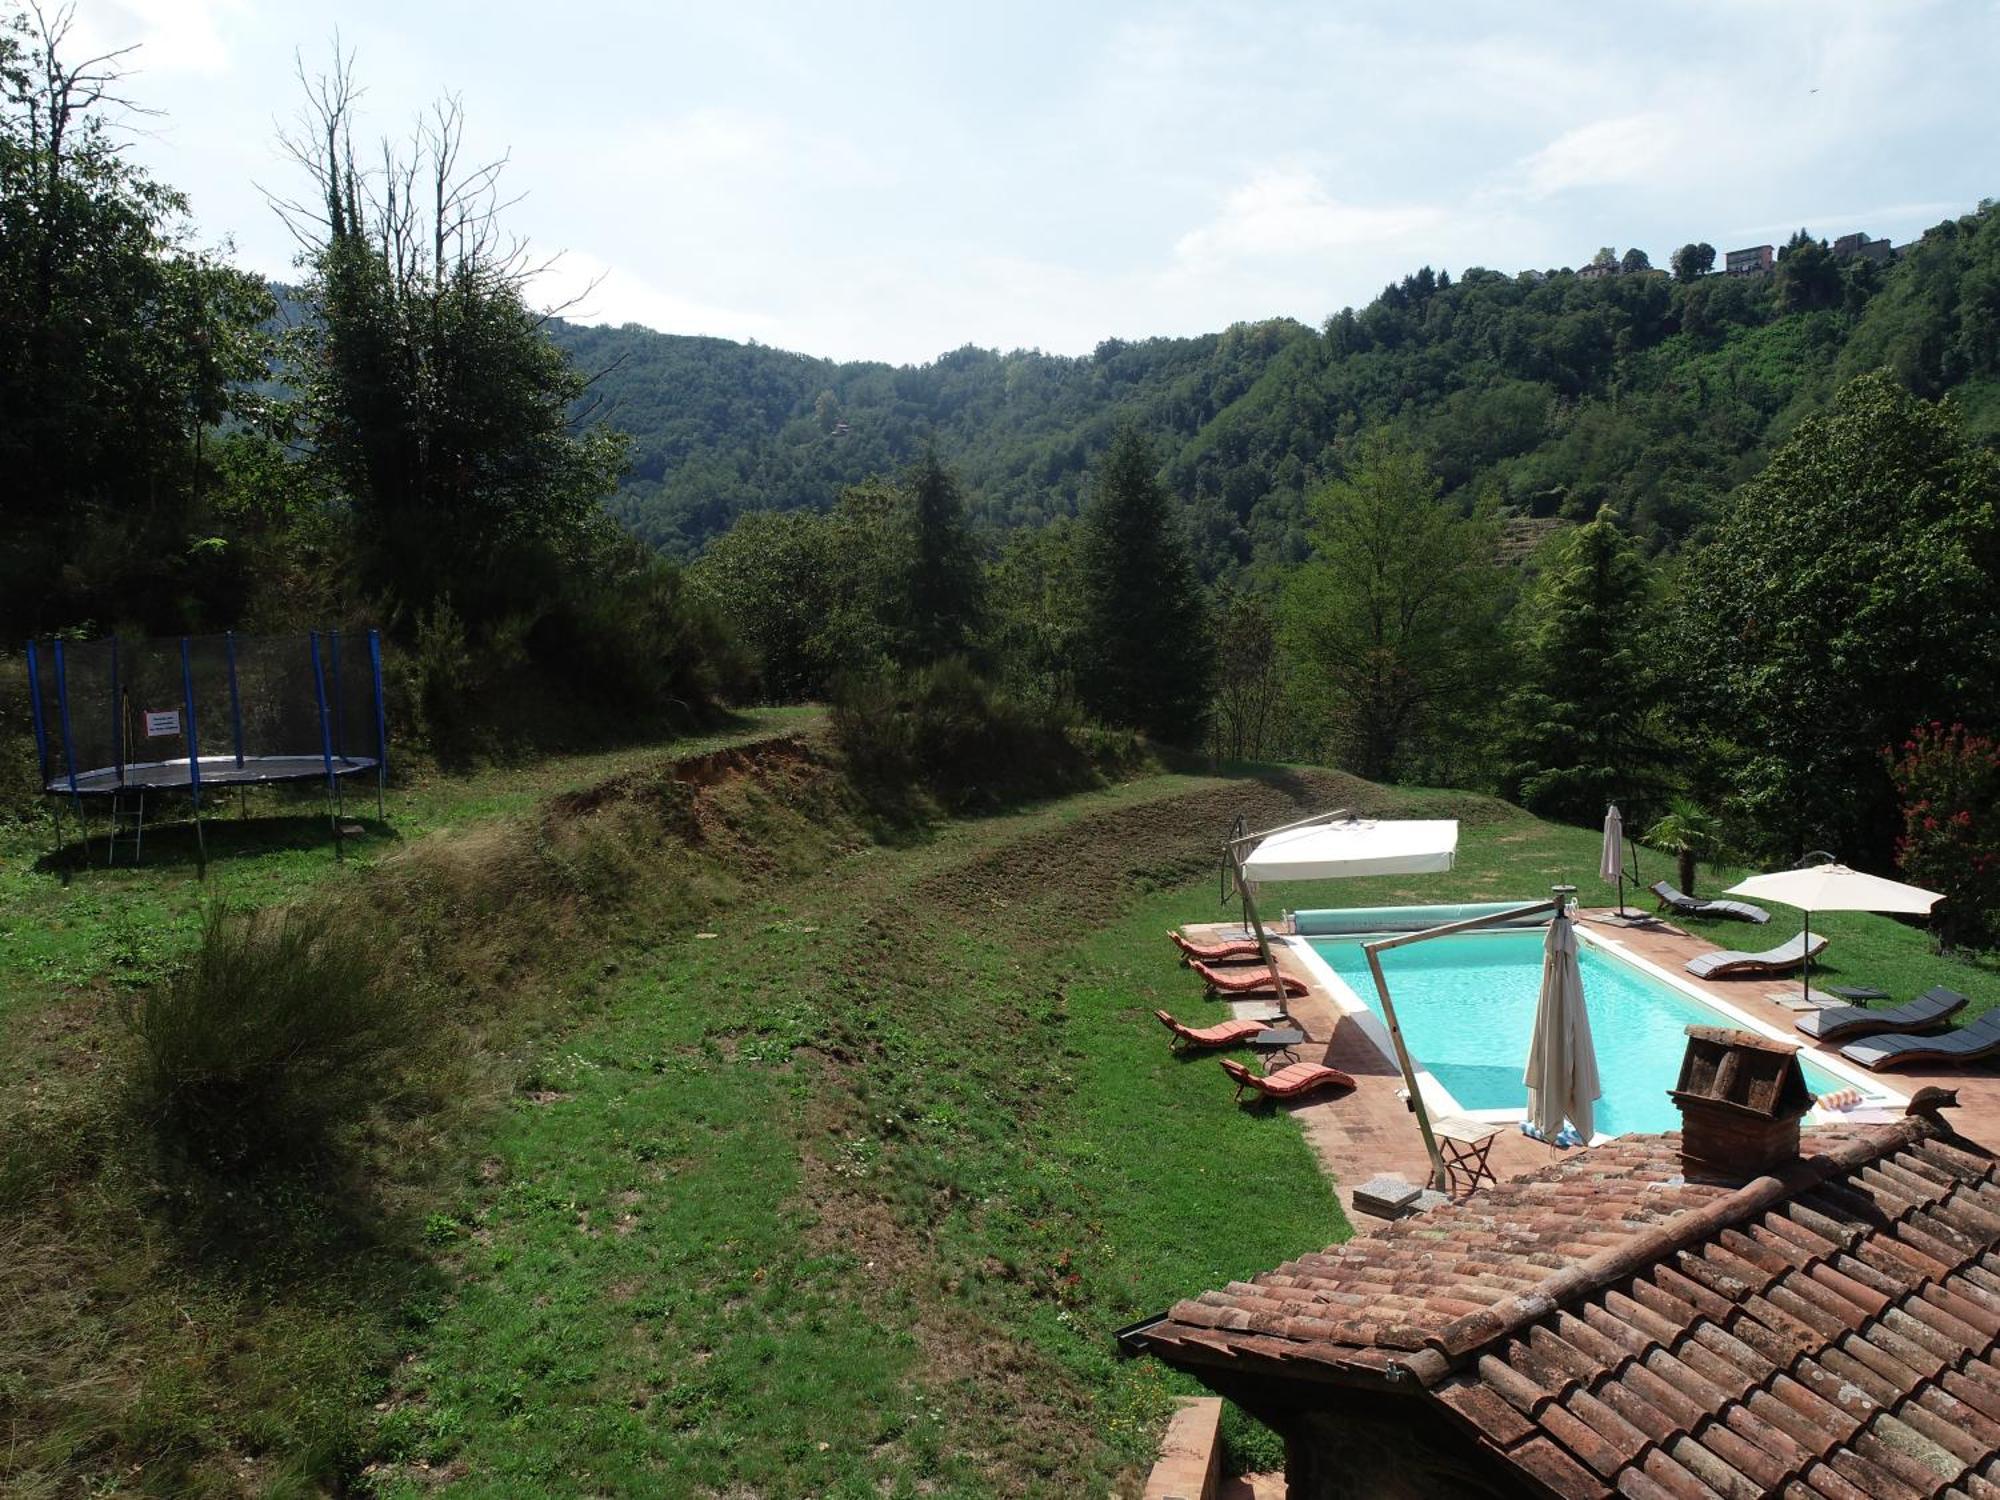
(1281, 1039)
(1466, 1145)
(1859, 994)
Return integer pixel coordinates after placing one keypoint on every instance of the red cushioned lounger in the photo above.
(1293, 1082)
(1223, 1034)
(1247, 984)
(1216, 953)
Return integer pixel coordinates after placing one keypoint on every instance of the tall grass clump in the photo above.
(278, 1031)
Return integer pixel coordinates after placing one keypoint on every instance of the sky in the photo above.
(893, 181)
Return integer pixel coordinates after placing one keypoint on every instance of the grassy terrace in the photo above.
(831, 1174)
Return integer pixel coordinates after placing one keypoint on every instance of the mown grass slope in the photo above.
(763, 1150)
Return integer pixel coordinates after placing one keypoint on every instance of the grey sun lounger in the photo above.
(1931, 1009)
(1682, 904)
(1779, 960)
(1978, 1038)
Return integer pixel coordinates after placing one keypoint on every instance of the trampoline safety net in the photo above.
(193, 712)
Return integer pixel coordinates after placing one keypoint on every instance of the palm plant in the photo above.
(1689, 832)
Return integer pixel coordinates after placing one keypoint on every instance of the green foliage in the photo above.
(276, 1032)
(431, 396)
(1948, 782)
(945, 730)
(1036, 617)
(1145, 659)
(1850, 591)
(1393, 620)
(1693, 261)
(1250, 684)
(946, 589)
(1689, 832)
(1584, 722)
(121, 346)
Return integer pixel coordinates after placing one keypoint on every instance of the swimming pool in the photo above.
(1467, 1009)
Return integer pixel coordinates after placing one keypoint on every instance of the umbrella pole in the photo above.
(1805, 964)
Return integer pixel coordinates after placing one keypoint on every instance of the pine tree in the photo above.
(1145, 657)
(1583, 737)
(946, 587)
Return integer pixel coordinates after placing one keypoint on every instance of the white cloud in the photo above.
(585, 289)
(1283, 212)
(1604, 153)
(171, 36)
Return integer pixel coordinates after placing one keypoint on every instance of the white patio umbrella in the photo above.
(1833, 887)
(1612, 865)
(1562, 1060)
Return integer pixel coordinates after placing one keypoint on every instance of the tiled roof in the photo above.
(1608, 1326)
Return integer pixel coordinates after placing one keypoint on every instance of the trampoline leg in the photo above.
(139, 833)
(200, 845)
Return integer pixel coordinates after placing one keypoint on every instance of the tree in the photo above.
(1948, 782)
(1035, 616)
(1849, 591)
(1689, 832)
(432, 393)
(1808, 277)
(1635, 261)
(121, 349)
(1252, 681)
(945, 590)
(1584, 734)
(1144, 659)
(1393, 617)
(1607, 255)
(1693, 261)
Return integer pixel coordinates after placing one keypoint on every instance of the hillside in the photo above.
(1556, 392)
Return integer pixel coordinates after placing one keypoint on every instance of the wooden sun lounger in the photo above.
(1978, 1038)
(1682, 904)
(1782, 959)
(1929, 1010)
(1264, 982)
(1293, 1082)
(1215, 953)
(1222, 1034)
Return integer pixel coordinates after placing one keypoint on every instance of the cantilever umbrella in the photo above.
(1833, 887)
(1562, 1060)
(1612, 865)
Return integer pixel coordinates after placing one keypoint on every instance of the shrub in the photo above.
(276, 1032)
(1948, 780)
(947, 731)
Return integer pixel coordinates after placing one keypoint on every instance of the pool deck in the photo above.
(1371, 1130)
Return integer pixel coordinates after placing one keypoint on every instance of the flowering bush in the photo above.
(1948, 779)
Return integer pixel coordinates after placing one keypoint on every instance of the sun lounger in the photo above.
(1782, 959)
(1293, 1082)
(1222, 1034)
(1215, 953)
(1842, 1023)
(1259, 983)
(1976, 1039)
(1682, 904)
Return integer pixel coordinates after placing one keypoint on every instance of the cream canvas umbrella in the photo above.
(1612, 865)
(1833, 887)
(1562, 1061)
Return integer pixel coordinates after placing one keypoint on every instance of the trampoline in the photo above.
(118, 722)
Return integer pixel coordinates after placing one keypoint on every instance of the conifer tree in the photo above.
(1581, 715)
(1145, 656)
(946, 587)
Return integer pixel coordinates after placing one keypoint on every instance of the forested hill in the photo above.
(1556, 393)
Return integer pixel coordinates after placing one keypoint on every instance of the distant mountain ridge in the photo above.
(1555, 394)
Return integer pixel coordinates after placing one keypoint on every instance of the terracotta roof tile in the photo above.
(1611, 1325)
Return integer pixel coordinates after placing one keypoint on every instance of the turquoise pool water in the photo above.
(1467, 1007)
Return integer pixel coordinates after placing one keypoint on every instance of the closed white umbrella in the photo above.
(1562, 1060)
(1612, 865)
(1834, 887)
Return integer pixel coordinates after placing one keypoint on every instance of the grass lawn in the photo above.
(119, 925)
(837, 1187)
